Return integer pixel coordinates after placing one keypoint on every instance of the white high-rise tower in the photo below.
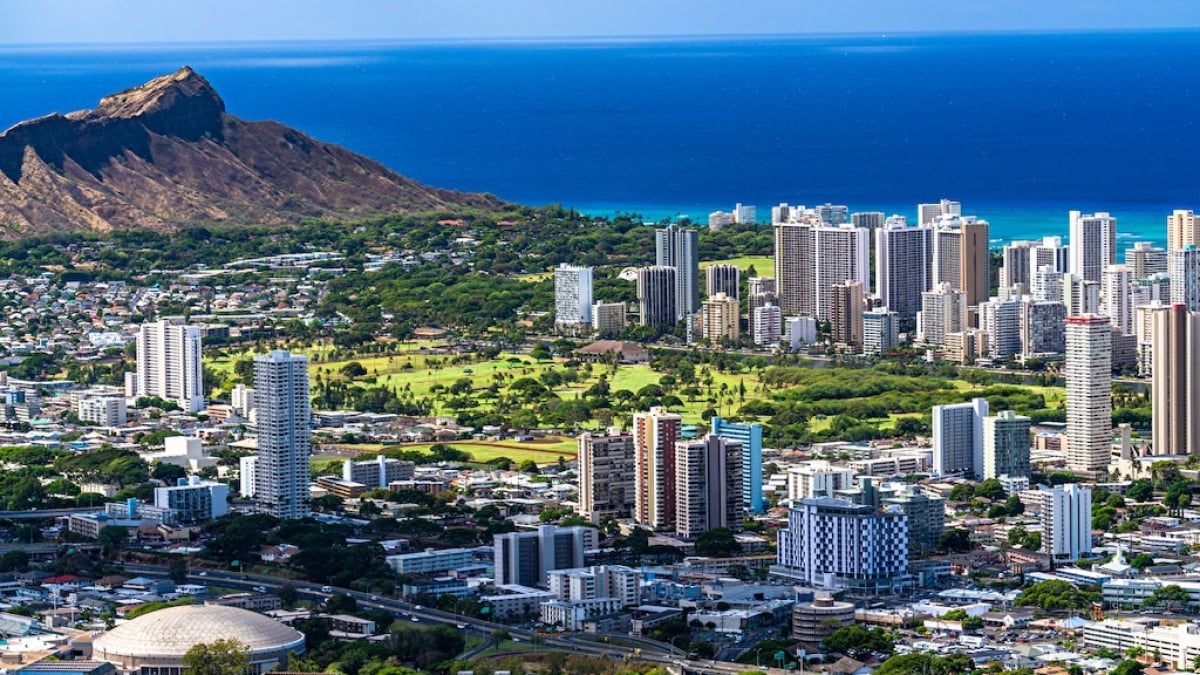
(168, 364)
(1093, 244)
(283, 430)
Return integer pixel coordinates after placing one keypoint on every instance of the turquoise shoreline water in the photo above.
(1007, 223)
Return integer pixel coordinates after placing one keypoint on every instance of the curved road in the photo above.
(646, 650)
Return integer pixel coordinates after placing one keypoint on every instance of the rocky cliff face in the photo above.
(166, 154)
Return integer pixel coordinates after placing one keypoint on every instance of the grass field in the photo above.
(413, 368)
(541, 451)
(764, 265)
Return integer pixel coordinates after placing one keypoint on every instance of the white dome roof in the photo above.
(175, 630)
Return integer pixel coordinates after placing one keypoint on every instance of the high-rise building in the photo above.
(1015, 268)
(1088, 370)
(679, 247)
(926, 517)
(241, 399)
(795, 260)
(943, 310)
(1116, 298)
(1175, 388)
(1146, 259)
(745, 214)
(654, 437)
(868, 219)
(527, 558)
(708, 485)
(846, 314)
(902, 258)
(1006, 445)
(1001, 318)
(1043, 328)
(722, 278)
(766, 324)
(961, 257)
(927, 213)
(1080, 295)
(842, 254)
(1047, 284)
(720, 318)
(1050, 252)
(283, 431)
(1093, 244)
(760, 292)
(749, 436)
(168, 364)
(656, 296)
(832, 214)
(833, 542)
(881, 331)
(1066, 517)
(572, 296)
(958, 438)
(1181, 230)
(608, 318)
(1154, 288)
(1184, 269)
(607, 466)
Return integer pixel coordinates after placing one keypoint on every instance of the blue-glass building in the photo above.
(750, 436)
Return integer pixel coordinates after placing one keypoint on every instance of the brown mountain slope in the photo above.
(166, 154)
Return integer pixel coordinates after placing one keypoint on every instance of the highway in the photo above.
(645, 649)
(45, 514)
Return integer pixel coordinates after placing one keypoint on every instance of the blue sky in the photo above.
(74, 21)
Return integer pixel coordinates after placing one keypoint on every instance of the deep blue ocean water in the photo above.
(1020, 128)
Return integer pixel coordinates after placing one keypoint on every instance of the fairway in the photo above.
(541, 451)
(764, 265)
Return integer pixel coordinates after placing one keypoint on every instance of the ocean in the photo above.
(1020, 128)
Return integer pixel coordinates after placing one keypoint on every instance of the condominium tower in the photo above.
(1181, 229)
(654, 437)
(656, 296)
(749, 436)
(679, 247)
(572, 295)
(958, 438)
(607, 466)
(708, 485)
(1005, 445)
(722, 278)
(283, 432)
(1175, 388)
(1088, 370)
(168, 364)
(1093, 244)
(902, 258)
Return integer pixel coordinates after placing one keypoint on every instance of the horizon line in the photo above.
(585, 39)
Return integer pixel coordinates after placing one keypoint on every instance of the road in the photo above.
(645, 649)
(47, 513)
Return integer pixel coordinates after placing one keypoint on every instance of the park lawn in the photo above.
(816, 425)
(485, 451)
(534, 277)
(1056, 397)
(764, 265)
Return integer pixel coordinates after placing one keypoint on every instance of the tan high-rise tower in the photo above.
(1181, 229)
(1088, 370)
(1175, 357)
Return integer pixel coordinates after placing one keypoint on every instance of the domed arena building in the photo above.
(154, 643)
